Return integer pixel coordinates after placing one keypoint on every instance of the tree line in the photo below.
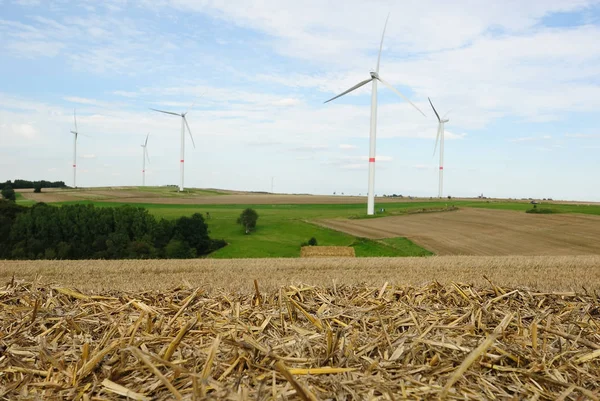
(25, 184)
(88, 232)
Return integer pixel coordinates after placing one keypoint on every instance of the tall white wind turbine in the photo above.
(144, 157)
(184, 125)
(440, 138)
(372, 133)
(75, 135)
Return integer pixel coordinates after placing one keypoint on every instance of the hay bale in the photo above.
(327, 252)
(301, 342)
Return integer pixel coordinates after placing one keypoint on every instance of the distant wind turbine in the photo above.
(75, 135)
(144, 157)
(440, 138)
(184, 125)
(372, 134)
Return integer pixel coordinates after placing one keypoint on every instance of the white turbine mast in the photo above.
(372, 134)
(440, 138)
(75, 135)
(144, 157)
(184, 125)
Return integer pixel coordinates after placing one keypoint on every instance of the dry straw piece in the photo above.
(327, 252)
(454, 342)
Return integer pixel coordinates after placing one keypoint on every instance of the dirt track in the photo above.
(485, 232)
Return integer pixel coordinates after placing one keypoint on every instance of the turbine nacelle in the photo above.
(374, 75)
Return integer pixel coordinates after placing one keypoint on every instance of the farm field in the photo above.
(472, 231)
(286, 221)
(545, 273)
(365, 329)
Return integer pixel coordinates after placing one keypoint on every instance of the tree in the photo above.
(37, 187)
(248, 219)
(9, 193)
(312, 241)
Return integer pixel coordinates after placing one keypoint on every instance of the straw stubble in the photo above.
(454, 341)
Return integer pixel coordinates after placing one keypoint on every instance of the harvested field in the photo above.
(485, 232)
(545, 273)
(156, 195)
(454, 342)
(327, 252)
(191, 199)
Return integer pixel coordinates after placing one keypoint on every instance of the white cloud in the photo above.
(423, 167)
(345, 146)
(286, 102)
(582, 136)
(88, 156)
(81, 100)
(310, 148)
(125, 94)
(27, 3)
(531, 138)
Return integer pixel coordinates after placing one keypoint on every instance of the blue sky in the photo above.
(522, 81)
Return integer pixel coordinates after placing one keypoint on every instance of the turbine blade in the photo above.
(146, 143)
(146, 153)
(190, 131)
(437, 138)
(401, 95)
(351, 89)
(381, 44)
(448, 112)
(189, 108)
(434, 110)
(75, 118)
(166, 112)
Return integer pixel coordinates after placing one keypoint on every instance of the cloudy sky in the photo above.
(521, 80)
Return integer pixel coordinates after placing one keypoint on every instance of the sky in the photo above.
(520, 82)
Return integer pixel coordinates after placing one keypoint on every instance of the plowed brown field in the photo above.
(485, 232)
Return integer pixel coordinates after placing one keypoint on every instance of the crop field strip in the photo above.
(545, 273)
(436, 341)
(472, 231)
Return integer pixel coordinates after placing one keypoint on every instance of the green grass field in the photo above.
(282, 228)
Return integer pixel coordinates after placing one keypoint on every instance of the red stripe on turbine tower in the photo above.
(181, 161)
(371, 160)
(74, 165)
(441, 168)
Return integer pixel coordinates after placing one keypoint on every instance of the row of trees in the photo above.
(25, 184)
(88, 232)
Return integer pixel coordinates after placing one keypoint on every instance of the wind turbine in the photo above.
(372, 133)
(75, 135)
(144, 157)
(184, 125)
(440, 139)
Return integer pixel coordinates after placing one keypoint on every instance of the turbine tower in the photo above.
(184, 125)
(144, 157)
(372, 134)
(440, 139)
(75, 135)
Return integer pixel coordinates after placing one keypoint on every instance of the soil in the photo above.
(472, 231)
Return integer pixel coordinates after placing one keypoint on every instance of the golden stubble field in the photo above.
(379, 329)
(472, 231)
(544, 273)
